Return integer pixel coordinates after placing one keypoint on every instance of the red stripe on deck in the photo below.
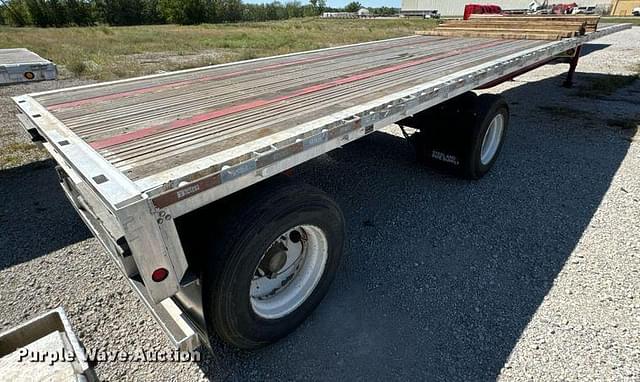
(148, 89)
(170, 85)
(142, 133)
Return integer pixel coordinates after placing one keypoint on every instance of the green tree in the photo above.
(150, 13)
(230, 11)
(58, 13)
(353, 6)
(315, 8)
(80, 12)
(322, 6)
(183, 11)
(121, 12)
(45, 13)
(15, 13)
(385, 11)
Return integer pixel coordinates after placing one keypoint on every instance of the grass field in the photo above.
(635, 20)
(118, 52)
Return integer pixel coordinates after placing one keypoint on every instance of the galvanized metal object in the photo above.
(44, 348)
(22, 65)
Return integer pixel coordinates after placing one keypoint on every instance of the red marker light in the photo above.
(159, 274)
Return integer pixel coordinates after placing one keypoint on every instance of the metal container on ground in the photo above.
(22, 65)
(43, 349)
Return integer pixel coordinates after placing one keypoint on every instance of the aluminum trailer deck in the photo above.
(22, 65)
(136, 154)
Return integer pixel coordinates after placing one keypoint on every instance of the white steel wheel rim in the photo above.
(492, 138)
(276, 294)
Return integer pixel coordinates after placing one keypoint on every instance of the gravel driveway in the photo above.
(532, 273)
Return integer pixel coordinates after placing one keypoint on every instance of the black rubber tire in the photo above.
(450, 135)
(252, 221)
(486, 107)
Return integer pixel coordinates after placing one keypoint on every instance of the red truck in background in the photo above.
(476, 9)
(563, 9)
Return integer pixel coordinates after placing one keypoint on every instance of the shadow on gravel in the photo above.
(592, 47)
(600, 86)
(35, 215)
(440, 276)
(586, 50)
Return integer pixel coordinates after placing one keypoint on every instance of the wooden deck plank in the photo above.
(523, 30)
(591, 21)
(494, 34)
(207, 114)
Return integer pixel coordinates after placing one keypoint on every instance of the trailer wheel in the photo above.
(464, 136)
(271, 262)
(489, 123)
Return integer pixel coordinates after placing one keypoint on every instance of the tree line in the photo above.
(60, 13)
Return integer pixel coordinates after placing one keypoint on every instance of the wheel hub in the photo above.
(492, 139)
(274, 260)
(288, 271)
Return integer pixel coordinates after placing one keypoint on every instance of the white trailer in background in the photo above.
(22, 65)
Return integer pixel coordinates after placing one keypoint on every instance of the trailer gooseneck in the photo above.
(170, 171)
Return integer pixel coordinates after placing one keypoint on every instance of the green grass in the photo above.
(635, 20)
(604, 85)
(104, 53)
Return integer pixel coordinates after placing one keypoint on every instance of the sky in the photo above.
(342, 3)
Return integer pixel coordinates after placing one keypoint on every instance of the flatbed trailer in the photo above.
(141, 159)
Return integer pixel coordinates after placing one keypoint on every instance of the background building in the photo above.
(456, 7)
(624, 7)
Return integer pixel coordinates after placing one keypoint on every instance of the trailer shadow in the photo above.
(586, 50)
(592, 47)
(441, 275)
(35, 216)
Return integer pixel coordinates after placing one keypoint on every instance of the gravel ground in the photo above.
(529, 274)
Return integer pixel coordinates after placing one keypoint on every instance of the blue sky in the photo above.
(342, 3)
